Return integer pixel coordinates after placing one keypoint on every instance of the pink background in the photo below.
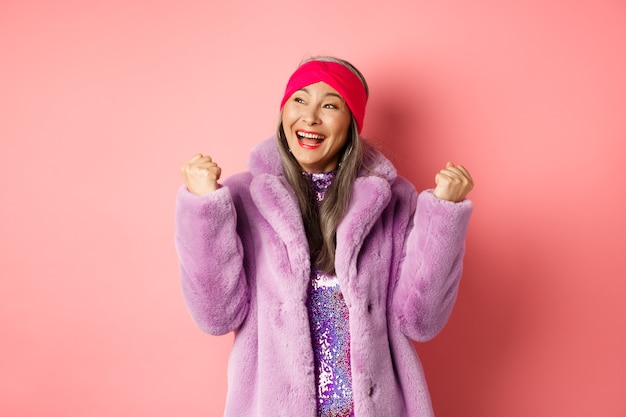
(102, 102)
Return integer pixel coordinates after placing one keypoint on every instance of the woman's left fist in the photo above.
(453, 183)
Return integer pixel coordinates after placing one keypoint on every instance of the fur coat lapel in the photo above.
(277, 203)
(370, 196)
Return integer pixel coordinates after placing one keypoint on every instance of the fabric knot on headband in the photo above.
(336, 75)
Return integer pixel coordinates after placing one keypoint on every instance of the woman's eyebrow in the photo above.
(334, 95)
(330, 93)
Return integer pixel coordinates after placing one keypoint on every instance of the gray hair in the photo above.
(320, 223)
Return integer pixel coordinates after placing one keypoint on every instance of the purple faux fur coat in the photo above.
(245, 268)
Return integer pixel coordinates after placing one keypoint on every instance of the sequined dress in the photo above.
(328, 317)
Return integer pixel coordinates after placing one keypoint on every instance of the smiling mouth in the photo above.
(309, 139)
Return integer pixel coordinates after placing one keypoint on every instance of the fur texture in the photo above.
(245, 267)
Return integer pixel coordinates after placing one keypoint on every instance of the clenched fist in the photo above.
(201, 174)
(453, 183)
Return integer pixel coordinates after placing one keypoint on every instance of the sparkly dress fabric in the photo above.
(328, 316)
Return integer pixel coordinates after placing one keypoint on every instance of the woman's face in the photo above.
(316, 121)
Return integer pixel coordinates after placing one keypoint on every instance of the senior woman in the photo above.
(322, 260)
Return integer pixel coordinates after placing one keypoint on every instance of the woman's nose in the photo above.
(311, 116)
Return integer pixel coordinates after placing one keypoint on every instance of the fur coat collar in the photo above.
(277, 203)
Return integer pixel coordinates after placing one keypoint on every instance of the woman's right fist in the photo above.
(201, 174)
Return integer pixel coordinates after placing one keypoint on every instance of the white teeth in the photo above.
(310, 135)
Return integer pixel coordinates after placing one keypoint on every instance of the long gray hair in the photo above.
(321, 221)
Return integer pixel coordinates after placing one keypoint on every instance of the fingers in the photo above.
(465, 173)
(453, 183)
(195, 158)
(456, 172)
(198, 159)
(201, 174)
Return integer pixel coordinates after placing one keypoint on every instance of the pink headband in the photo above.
(336, 75)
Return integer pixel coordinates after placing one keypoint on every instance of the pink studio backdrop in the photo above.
(101, 102)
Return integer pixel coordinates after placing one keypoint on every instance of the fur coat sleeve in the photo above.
(431, 268)
(211, 260)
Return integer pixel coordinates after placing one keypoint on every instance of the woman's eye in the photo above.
(298, 100)
(330, 106)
